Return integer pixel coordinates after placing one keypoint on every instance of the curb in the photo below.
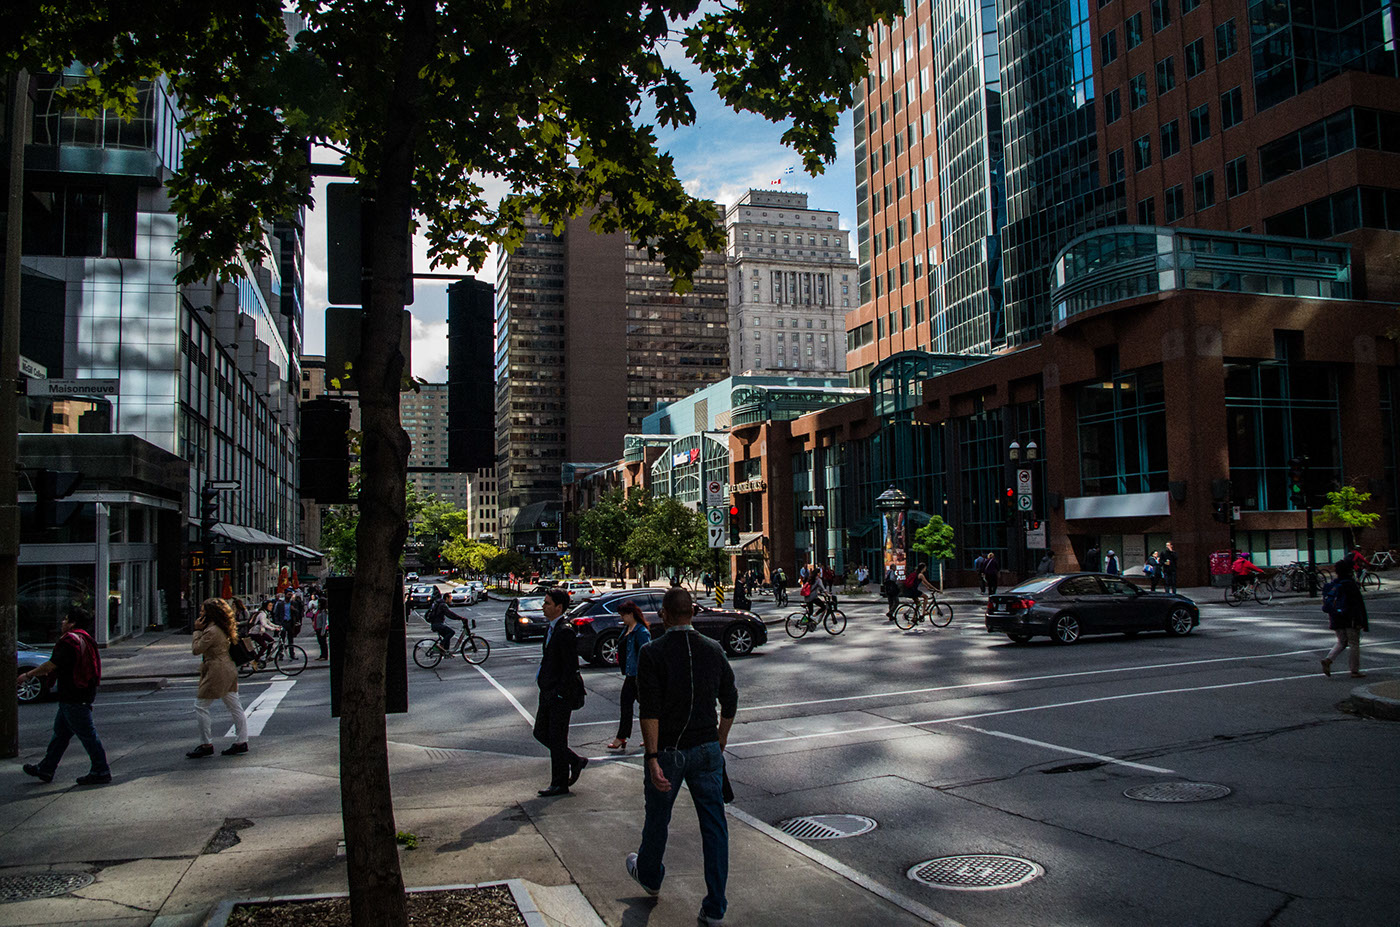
(1371, 705)
(519, 892)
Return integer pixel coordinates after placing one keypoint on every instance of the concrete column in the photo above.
(102, 567)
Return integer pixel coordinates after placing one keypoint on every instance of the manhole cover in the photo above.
(975, 873)
(42, 885)
(827, 826)
(1178, 791)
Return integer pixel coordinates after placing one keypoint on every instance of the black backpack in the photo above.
(1332, 597)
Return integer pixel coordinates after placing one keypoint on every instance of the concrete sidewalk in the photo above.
(169, 838)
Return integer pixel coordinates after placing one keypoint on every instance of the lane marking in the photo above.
(1016, 711)
(923, 912)
(506, 692)
(1093, 756)
(260, 711)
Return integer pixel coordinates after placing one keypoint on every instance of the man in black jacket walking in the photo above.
(558, 682)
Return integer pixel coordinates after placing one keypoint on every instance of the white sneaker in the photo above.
(704, 918)
(632, 871)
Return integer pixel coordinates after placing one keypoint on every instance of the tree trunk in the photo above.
(367, 808)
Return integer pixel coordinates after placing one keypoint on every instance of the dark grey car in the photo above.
(599, 626)
(1065, 608)
(525, 618)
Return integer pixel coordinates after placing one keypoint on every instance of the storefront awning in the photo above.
(306, 553)
(747, 539)
(250, 536)
(1127, 505)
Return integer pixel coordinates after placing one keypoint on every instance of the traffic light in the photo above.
(1222, 512)
(208, 509)
(734, 525)
(1297, 481)
(49, 487)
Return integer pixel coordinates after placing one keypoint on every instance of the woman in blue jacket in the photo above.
(634, 636)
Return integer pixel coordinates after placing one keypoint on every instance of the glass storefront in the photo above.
(1123, 434)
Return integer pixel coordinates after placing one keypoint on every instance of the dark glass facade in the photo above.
(1123, 434)
(1298, 44)
(1053, 193)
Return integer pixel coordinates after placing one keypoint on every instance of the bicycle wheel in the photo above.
(248, 669)
(476, 650)
(1263, 593)
(1281, 581)
(1233, 596)
(835, 621)
(290, 660)
(905, 617)
(427, 653)
(1370, 581)
(942, 615)
(796, 625)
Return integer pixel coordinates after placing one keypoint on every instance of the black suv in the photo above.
(599, 627)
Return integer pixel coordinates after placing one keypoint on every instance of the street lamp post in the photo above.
(814, 514)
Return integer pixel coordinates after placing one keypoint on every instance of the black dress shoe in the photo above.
(31, 770)
(200, 752)
(94, 779)
(577, 769)
(235, 749)
(554, 790)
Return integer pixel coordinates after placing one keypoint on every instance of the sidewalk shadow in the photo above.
(638, 912)
(504, 823)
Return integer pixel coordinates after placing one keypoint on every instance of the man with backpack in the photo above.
(79, 668)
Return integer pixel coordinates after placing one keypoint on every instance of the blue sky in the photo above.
(719, 157)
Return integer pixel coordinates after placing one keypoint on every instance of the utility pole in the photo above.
(9, 419)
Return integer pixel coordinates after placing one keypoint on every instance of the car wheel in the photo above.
(606, 653)
(1179, 622)
(31, 691)
(1066, 629)
(1019, 638)
(738, 640)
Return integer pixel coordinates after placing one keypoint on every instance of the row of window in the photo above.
(1349, 129)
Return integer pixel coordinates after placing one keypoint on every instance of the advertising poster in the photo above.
(894, 542)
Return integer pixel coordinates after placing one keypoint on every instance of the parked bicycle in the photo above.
(927, 608)
(1382, 560)
(832, 618)
(1256, 587)
(468, 645)
(288, 657)
(1294, 577)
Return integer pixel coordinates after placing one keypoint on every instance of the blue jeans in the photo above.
(75, 719)
(702, 770)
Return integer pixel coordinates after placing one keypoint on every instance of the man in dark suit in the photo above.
(557, 679)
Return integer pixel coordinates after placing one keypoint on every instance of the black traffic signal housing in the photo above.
(1221, 512)
(325, 451)
(734, 525)
(208, 510)
(49, 487)
(1298, 481)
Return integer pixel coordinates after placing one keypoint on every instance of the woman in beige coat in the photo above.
(214, 631)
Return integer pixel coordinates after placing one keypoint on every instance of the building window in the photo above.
(1205, 190)
(1108, 46)
(1195, 58)
(1174, 204)
(1231, 108)
(1116, 170)
(1171, 139)
(1137, 91)
(1200, 123)
(1147, 211)
(1132, 31)
(1161, 14)
(1236, 177)
(1123, 434)
(1189, 5)
(1142, 153)
(1226, 44)
(1166, 75)
(1112, 107)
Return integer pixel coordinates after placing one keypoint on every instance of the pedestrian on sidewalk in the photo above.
(1047, 564)
(558, 681)
(1110, 564)
(1169, 568)
(991, 568)
(1347, 619)
(680, 678)
(320, 623)
(78, 667)
(979, 566)
(214, 631)
(635, 635)
(1153, 569)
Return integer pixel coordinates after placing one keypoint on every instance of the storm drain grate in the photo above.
(827, 826)
(42, 885)
(1178, 791)
(980, 873)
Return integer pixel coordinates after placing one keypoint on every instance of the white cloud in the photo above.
(429, 349)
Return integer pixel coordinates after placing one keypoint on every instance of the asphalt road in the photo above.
(957, 742)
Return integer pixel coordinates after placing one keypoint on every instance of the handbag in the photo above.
(240, 653)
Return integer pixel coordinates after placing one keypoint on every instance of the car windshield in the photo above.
(579, 607)
(530, 604)
(1035, 585)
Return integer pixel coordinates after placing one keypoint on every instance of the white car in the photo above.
(462, 595)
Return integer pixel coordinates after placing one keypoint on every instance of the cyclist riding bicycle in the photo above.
(438, 615)
(1243, 569)
(1358, 561)
(815, 590)
(912, 587)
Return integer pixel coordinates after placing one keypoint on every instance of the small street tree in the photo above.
(423, 98)
(670, 537)
(604, 528)
(935, 540)
(1347, 507)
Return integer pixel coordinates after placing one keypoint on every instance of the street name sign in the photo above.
(72, 387)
